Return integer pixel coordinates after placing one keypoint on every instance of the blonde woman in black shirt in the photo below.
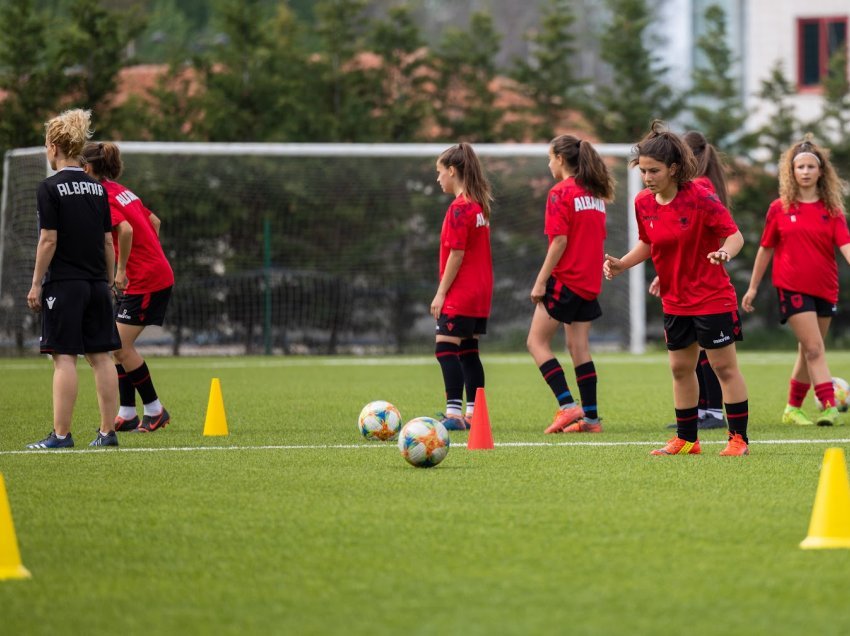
(74, 270)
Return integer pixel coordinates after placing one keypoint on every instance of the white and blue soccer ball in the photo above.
(842, 395)
(379, 421)
(423, 442)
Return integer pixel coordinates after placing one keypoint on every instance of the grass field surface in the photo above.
(292, 524)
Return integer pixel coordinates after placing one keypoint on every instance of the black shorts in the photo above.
(76, 318)
(142, 309)
(712, 331)
(564, 305)
(791, 303)
(461, 326)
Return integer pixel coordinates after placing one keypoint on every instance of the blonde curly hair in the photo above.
(69, 131)
(829, 185)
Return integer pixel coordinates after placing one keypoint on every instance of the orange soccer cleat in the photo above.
(583, 426)
(563, 418)
(678, 446)
(736, 446)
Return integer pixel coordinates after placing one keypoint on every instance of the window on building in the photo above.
(818, 39)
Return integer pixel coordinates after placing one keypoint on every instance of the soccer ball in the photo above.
(423, 442)
(379, 420)
(842, 395)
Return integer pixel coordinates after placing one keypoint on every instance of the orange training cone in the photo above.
(480, 435)
(216, 421)
(830, 524)
(10, 559)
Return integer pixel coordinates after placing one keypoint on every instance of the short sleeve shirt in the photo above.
(148, 269)
(804, 239)
(76, 206)
(680, 235)
(465, 228)
(574, 212)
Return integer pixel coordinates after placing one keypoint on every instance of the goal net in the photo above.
(320, 248)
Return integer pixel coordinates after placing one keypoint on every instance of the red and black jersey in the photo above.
(148, 269)
(804, 239)
(75, 205)
(465, 228)
(681, 234)
(574, 212)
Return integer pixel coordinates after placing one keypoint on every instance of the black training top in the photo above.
(77, 207)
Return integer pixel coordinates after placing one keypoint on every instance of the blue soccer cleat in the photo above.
(51, 441)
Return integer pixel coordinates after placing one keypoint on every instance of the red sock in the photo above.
(797, 393)
(825, 393)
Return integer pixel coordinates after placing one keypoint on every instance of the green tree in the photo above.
(547, 77)
(92, 51)
(29, 73)
(834, 124)
(347, 98)
(403, 103)
(783, 127)
(251, 83)
(715, 101)
(622, 109)
(167, 34)
(465, 62)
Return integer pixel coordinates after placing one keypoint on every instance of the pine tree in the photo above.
(715, 102)
(403, 104)
(547, 78)
(252, 82)
(782, 128)
(347, 101)
(92, 51)
(834, 124)
(29, 73)
(622, 109)
(466, 67)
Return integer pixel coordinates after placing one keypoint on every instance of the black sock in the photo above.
(701, 364)
(713, 392)
(126, 391)
(686, 424)
(473, 370)
(586, 380)
(557, 381)
(448, 356)
(737, 415)
(141, 379)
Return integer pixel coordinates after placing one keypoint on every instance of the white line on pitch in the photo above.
(188, 449)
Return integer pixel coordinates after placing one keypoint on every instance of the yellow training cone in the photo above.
(215, 422)
(10, 559)
(830, 524)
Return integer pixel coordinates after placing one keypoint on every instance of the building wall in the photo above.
(770, 28)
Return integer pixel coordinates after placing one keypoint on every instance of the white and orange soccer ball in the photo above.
(379, 421)
(842, 395)
(423, 442)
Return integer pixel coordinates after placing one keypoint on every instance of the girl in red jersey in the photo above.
(570, 278)
(689, 234)
(461, 305)
(144, 280)
(803, 227)
(712, 177)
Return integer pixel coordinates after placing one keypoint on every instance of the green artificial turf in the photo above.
(292, 524)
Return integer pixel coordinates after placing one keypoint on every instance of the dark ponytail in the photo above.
(476, 187)
(104, 158)
(709, 163)
(590, 171)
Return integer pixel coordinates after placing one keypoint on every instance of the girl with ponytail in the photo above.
(570, 278)
(461, 305)
(690, 235)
